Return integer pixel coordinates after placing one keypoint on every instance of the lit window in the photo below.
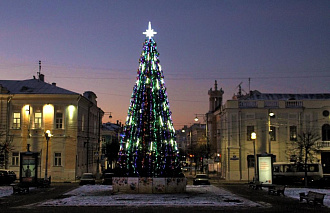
(17, 120)
(58, 159)
(59, 120)
(14, 159)
(37, 120)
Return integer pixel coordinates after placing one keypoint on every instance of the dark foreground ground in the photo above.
(271, 203)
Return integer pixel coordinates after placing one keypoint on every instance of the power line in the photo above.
(198, 78)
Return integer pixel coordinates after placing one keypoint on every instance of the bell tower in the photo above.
(215, 98)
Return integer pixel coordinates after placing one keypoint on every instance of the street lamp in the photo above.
(48, 135)
(207, 139)
(254, 137)
(196, 118)
(270, 115)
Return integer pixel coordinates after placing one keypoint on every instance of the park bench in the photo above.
(44, 183)
(255, 185)
(276, 190)
(19, 188)
(312, 197)
(23, 187)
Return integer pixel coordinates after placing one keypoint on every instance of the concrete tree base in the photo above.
(148, 185)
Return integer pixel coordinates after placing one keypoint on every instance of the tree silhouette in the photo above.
(306, 144)
(5, 147)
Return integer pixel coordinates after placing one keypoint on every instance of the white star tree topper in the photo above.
(150, 32)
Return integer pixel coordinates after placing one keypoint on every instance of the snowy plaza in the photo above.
(201, 196)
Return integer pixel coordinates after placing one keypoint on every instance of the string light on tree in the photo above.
(148, 145)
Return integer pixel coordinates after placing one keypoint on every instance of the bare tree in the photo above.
(5, 148)
(306, 145)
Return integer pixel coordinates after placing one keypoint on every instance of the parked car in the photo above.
(107, 178)
(7, 176)
(201, 179)
(87, 178)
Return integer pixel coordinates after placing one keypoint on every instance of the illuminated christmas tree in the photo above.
(148, 147)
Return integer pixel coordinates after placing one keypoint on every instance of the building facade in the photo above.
(277, 120)
(110, 133)
(29, 108)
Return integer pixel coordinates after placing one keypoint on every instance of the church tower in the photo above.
(215, 98)
(215, 102)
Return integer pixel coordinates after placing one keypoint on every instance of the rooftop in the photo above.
(256, 95)
(31, 86)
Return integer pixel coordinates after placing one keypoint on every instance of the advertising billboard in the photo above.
(265, 169)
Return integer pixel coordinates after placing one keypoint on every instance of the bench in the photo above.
(255, 185)
(43, 183)
(20, 188)
(312, 197)
(276, 190)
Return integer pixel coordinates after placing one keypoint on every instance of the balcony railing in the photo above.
(293, 104)
(272, 104)
(323, 144)
(248, 104)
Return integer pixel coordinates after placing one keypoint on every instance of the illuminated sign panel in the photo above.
(265, 169)
(28, 167)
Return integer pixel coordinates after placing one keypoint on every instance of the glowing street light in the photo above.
(254, 137)
(270, 115)
(48, 135)
(196, 118)
(205, 116)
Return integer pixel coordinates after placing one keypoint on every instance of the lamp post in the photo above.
(270, 115)
(254, 137)
(47, 135)
(205, 116)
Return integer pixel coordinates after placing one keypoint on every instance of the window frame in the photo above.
(37, 121)
(16, 121)
(15, 159)
(59, 120)
(57, 159)
(272, 133)
(293, 132)
(249, 130)
(325, 132)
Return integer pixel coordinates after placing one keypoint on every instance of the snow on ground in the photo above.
(294, 193)
(101, 195)
(6, 191)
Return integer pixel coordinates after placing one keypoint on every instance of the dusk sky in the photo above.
(95, 45)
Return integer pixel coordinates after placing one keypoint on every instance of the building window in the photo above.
(83, 123)
(249, 130)
(326, 132)
(58, 159)
(37, 120)
(251, 161)
(14, 159)
(293, 133)
(17, 120)
(272, 133)
(59, 120)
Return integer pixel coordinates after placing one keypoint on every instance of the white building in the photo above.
(28, 108)
(232, 123)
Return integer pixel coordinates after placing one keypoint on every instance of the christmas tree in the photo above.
(148, 147)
